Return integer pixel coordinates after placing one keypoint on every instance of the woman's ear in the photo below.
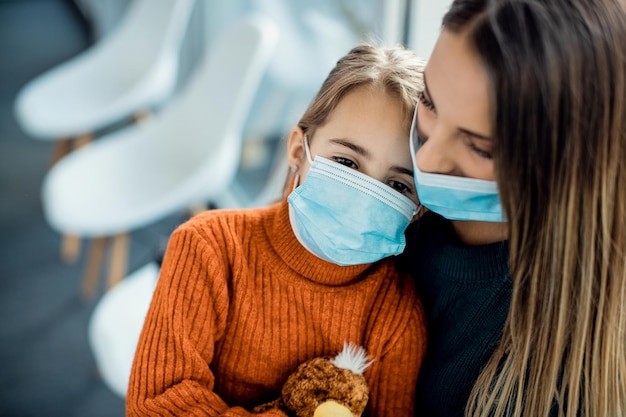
(295, 148)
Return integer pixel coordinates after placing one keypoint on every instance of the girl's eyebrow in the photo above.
(348, 144)
(460, 129)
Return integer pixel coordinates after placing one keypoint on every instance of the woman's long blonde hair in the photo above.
(392, 69)
(557, 70)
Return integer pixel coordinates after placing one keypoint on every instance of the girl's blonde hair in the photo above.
(393, 69)
(557, 70)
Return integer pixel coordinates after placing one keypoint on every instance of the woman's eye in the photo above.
(480, 152)
(345, 161)
(400, 187)
(425, 101)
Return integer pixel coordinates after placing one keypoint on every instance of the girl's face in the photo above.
(367, 131)
(454, 125)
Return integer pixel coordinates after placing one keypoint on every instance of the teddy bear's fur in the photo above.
(320, 380)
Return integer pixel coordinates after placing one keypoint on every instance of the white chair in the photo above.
(128, 72)
(115, 325)
(183, 156)
(238, 196)
(117, 319)
(131, 69)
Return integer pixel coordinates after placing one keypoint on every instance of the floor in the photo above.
(46, 366)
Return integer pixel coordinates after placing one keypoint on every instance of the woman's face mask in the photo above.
(454, 197)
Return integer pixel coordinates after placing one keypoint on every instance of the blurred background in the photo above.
(82, 80)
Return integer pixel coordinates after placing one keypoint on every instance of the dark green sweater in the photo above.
(466, 292)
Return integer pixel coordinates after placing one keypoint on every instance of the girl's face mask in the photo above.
(455, 198)
(346, 217)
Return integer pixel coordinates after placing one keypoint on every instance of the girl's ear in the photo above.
(295, 148)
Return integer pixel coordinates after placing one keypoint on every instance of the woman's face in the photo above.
(368, 132)
(455, 126)
(453, 112)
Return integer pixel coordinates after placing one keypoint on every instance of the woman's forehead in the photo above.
(458, 83)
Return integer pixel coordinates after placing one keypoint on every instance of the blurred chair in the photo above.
(182, 157)
(116, 321)
(238, 196)
(131, 69)
(126, 73)
(115, 325)
(315, 38)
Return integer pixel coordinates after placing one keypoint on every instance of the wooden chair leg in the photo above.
(70, 248)
(119, 259)
(93, 268)
(70, 244)
(197, 209)
(61, 148)
(82, 140)
(141, 116)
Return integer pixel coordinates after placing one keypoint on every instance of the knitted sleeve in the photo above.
(394, 374)
(171, 375)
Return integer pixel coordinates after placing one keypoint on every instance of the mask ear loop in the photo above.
(307, 150)
(294, 168)
(296, 176)
(413, 138)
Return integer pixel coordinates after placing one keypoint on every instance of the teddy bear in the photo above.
(326, 386)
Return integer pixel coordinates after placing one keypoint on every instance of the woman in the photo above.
(245, 296)
(524, 282)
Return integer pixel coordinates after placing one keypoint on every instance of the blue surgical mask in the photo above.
(455, 198)
(346, 217)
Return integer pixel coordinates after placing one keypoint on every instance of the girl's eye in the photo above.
(400, 187)
(345, 161)
(425, 101)
(480, 152)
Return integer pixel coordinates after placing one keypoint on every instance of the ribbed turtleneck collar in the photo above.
(298, 258)
(434, 243)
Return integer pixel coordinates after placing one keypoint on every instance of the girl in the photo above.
(245, 296)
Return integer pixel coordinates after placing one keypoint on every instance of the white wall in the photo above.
(425, 24)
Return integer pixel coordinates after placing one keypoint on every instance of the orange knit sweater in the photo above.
(239, 304)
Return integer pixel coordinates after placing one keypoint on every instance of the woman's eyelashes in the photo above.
(420, 140)
(479, 151)
(426, 102)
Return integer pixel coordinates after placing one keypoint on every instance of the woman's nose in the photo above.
(436, 156)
